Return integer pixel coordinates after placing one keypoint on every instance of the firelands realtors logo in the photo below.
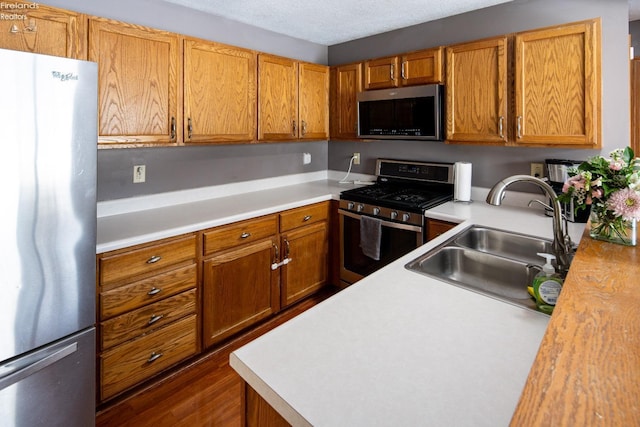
(13, 11)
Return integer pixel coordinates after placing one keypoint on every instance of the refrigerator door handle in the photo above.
(29, 367)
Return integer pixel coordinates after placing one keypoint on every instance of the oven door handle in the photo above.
(389, 224)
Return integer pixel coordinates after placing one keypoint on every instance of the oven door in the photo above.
(397, 240)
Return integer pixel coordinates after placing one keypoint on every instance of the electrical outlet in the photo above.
(537, 170)
(356, 158)
(139, 173)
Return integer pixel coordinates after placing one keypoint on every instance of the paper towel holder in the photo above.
(462, 182)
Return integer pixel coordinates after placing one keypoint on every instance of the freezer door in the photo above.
(53, 386)
(48, 111)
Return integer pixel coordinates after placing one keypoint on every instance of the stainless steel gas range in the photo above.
(383, 221)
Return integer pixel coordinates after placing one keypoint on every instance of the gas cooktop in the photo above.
(402, 188)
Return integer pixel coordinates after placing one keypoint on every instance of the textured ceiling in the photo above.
(329, 22)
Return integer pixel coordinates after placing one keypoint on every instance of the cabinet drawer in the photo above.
(137, 294)
(239, 233)
(303, 216)
(146, 319)
(138, 360)
(146, 260)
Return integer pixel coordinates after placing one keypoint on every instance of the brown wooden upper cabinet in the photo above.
(219, 93)
(556, 88)
(413, 68)
(557, 81)
(476, 91)
(47, 30)
(346, 82)
(293, 99)
(138, 80)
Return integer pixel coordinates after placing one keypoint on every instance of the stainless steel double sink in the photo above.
(493, 262)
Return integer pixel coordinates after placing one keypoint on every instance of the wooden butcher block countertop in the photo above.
(587, 370)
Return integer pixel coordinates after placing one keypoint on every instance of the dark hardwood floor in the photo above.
(204, 393)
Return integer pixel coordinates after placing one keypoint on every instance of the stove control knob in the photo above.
(360, 208)
(405, 217)
(394, 214)
(350, 205)
(376, 211)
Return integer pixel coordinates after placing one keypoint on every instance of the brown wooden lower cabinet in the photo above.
(147, 312)
(256, 412)
(137, 360)
(239, 289)
(436, 227)
(161, 303)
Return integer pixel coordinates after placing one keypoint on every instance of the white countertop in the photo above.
(399, 348)
(130, 222)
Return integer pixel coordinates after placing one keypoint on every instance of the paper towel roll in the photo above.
(462, 182)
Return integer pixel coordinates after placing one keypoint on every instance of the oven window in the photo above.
(394, 243)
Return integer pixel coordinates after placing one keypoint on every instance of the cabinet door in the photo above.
(308, 269)
(346, 82)
(557, 85)
(219, 93)
(137, 83)
(381, 73)
(45, 30)
(313, 83)
(421, 67)
(239, 290)
(277, 98)
(476, 81)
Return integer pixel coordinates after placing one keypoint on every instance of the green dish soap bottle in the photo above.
(547, 286)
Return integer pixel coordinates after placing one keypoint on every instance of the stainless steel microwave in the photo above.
(414, 112)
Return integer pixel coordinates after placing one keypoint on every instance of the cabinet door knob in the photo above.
(519, 126)
(294, 130)
(153, 357)
(303, 127)
(402, 73)
(306, 218)
(154, 259)
(391, 73)
(154, 291)
(501, 127)
(173, 128)
(189, 128)
(245, 235)
(154, 318)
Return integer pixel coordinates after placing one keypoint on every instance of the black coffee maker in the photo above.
(558, 173)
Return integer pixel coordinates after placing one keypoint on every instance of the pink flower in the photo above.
(576, 182)
(625, 203)
(616, 165)
(597, 193)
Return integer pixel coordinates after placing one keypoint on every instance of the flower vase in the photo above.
(613, 229)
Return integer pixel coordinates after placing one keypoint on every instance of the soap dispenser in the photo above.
(547, 285)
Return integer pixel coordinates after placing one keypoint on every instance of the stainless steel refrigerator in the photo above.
(48, 129)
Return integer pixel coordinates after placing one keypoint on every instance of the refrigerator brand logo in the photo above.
(64, 76)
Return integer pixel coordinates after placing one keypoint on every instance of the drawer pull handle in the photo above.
(154, 319)
(154, 291)
(154, 259)
(306, 218)
(153, 357)
(245, 235)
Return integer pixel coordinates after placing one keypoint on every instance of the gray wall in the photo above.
(493, 163)
(179, 168)
(634, 30)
